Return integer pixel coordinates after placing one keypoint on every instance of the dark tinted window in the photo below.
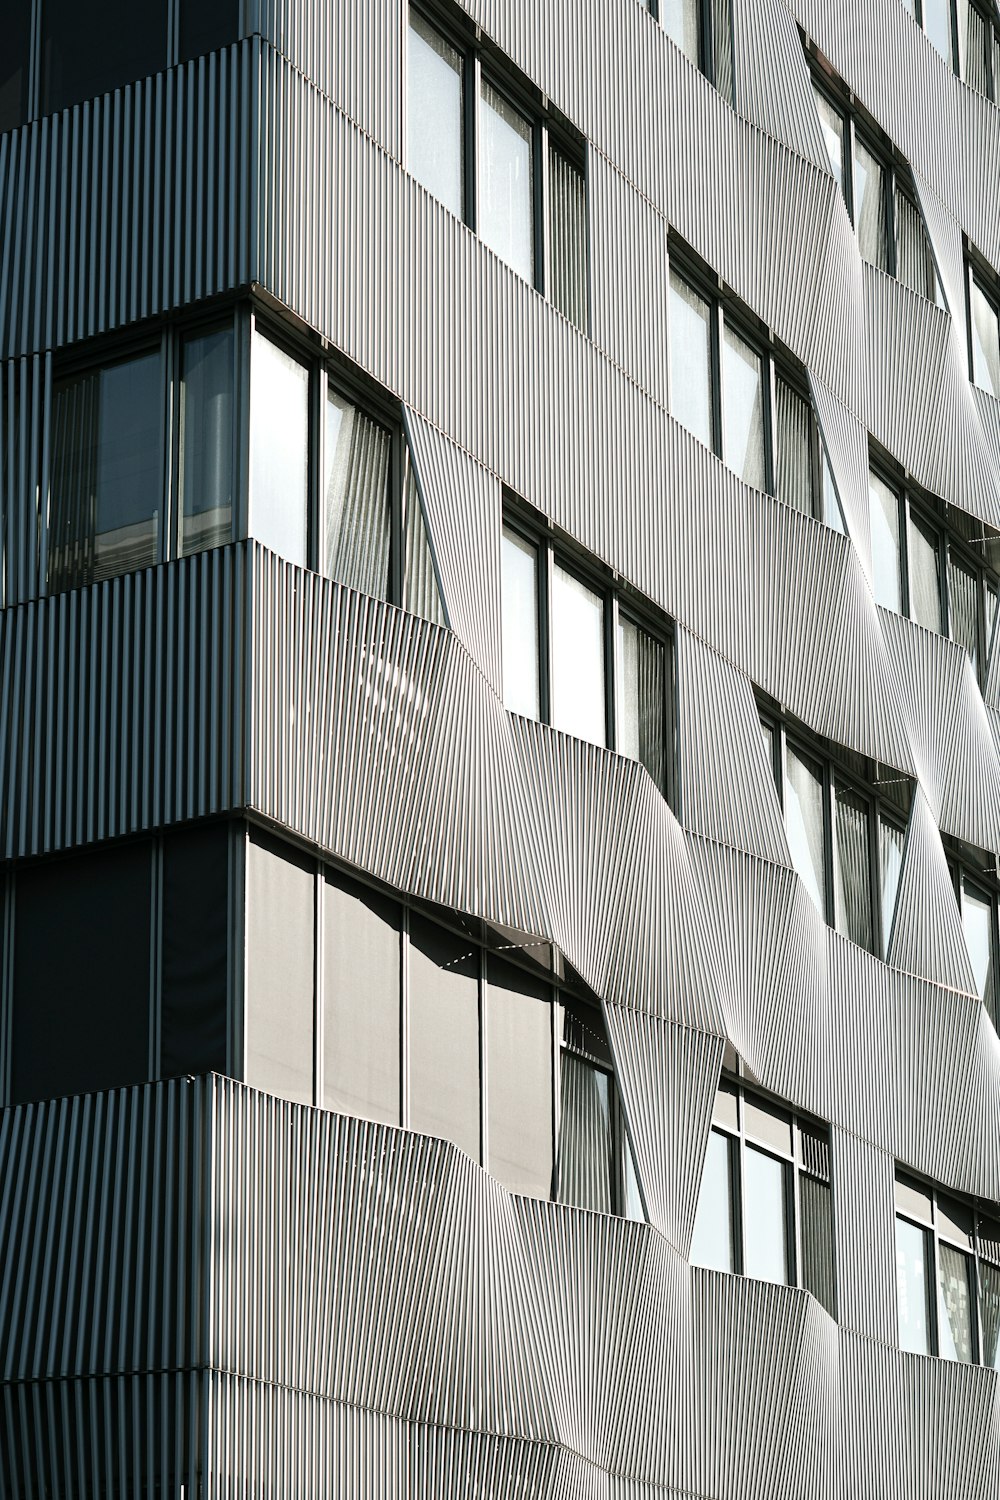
(15, 30)
(91, 49)
(81, 974)
(195, 951)
(207, 25)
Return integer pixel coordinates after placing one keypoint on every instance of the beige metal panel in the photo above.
(464, 514)
(950, 731)
(927, 937)
(862, 1177)
(668, 1076)
(726, 790)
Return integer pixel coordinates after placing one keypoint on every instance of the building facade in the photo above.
(499, 749)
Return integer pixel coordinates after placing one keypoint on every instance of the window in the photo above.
(977, 891)
(15, 27)
(984, 331)
(765, 1204)
(471, 1035)
(582, 655)
(846, 829)
(947, 1275)
(877, 189)
(967, 35)
(942, 573)
(703, 30)
(482, 141)
(728, 390)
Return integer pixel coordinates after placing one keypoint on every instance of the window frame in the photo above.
(739, 1140)
(617, 602)
(935, 1237)
(985, 886)
(706, 60)
(991, 23)
(482, 62)
(835, 773)
(988, 283)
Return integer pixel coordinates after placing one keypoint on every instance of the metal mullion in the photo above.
(545, 565)
(319, 997)
(956, 45)
(879, 939)
(611, 669)
(706, 60)
(167, 412)
(540, 206)
(903, 532)
(829, 799)
(736, 1189)
(320, 386)
(472, 85)
(793, 1235)
(483, 1062)
(404, 1016)
(889, 201)
(715, 350)
(849, 138)
(555, 1039)
(770, 383)
(33, 93)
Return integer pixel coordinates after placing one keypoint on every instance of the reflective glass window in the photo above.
(690, 360)
(107, 472)
(978, 922)
(852, 868)
(793, 448)
(434, 128)
(207, 25)
(937, 24)
(963, 609)
(891, 844)
(912, 1244)
(279, 450)
(568, 260)
(519, 1080)
(989, 1313)
(885, 544)
(713, 1245)
(519, 601)
(641, 681)
(804, 823)
(925, 576)
(870, 207)
(681, 20)
(765, 1227)
(91, 49)
(955, 1272)
(207, 437)
(817, 1241)
(356, 519)
(985, 340)
(743, 409)
(280, 970)
(15, 28)
(832, 123)
(361, 1002)
(577, 631)
(444, 1036)
(584, 1135)
(832, 514)
(505, 189)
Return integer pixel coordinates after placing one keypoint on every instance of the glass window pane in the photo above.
(519, 1080)
(989, 1314)
(985, 340)
(361, 1002)
(891, 842)
(690, 360)
(742, 409)
(884, 509)
(421, 595)
(642, 687)
(954, 1304)
(869, 212)
(721, 19)
(852, 868)
(765, 1250)
(434, 127)
(207, 25)
(817, 1242)
(925, 576)
(914, 266)
(768, 734)
(833, 515)
(804, 821)
(712, 1245)
(15, 28)
(681, 20)
(963, 590)
(505, 191)
(280, 970)
(937, 24)
(578, 704)
(356, 517)
(107, 472)
(279, 450)
(91, 49)
(519, 599)
(567, 238)
(207, 437)
(793, 449)
(978, 922)
(584, 1135)
(832, 122)
(912, 1245)
(444, 1036)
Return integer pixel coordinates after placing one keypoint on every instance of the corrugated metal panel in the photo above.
(927, 936)
(846, 443)
(864, 1224)
(772, 82)
(130, 204)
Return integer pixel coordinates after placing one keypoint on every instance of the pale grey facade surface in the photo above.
(500, 751)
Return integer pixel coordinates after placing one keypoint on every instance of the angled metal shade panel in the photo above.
(846, 443)
(927, 937)
(25, 422)
(945, 235)
(863, 1176)
(727, 788)
(772, 85)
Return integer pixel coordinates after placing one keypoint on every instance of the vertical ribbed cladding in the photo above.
(387, 1270)
(629, 270)
(894, 69)
(748, 1341)
(950, 732)
(25, 416)
(945, 235)
(864, 1235)
(126, 205)
(919, 401)
(464, 518)
(927, 937)
(770, 945)
(845, 440)
(668, 1076)
(124, 704)
(101, 1233)
(772, 81)
(988, 408)
(726, 784)
(915, 1426)
(611, 1302)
